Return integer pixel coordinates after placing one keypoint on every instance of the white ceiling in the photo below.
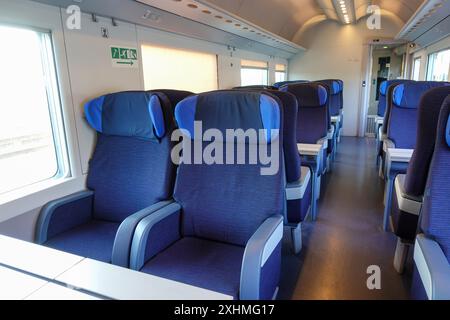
(286, 17)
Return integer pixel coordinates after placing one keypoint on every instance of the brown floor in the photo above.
(347, 237)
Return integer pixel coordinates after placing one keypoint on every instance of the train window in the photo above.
(416, 69)
(32, 142)
(439, 66)
(254, 73)
(280, 73)
(171, 68)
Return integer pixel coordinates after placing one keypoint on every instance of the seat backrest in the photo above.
(131, 167)
(402, 122)
(290, 115)
(283, 83)
(382, 102)
(256, 88)
(335, 92)
(174, 96)
(312, 121)
(428, 116)
(235, 199)
(390, 87)
(436, 208)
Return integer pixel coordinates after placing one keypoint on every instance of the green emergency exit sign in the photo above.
(124, 57)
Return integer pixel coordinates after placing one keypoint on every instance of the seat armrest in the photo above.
(433, 267)
(296, 190)
(388, 144)
(125, 233)
(64, 214)
(331, 132)
(406, 203)
(383, 136)
(399, 155)
(336, 119)
(323, 142)
(262, 250)
(310, 149)
(154, 234)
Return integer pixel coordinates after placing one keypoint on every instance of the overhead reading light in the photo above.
(344, 10)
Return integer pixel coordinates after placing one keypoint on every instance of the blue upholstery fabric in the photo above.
(171, 97)
(122, 114)
(405, 224)
(312, 124)
(428, 116)
(408, 95)
(382, 105)
(256, 88)
(157, 116)
(236, 199)
(270, 274)
(206, 264)
(298, 209)
(290, 115)
(128, 175)
(417, 288)
(284, 83)
(68, 216)
(94, 239)
(436, 207)
(402, 126)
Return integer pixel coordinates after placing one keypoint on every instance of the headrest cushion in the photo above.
(127, 114)
(408, 95)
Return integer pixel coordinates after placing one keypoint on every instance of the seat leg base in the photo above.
(296, 239)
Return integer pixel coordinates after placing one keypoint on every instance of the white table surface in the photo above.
(123, 284)
(52, 291)
(35, 259)
(15, 285)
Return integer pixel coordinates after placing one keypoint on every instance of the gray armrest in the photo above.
(388, 144)
(257, 252)
(64, 214)
(125, 234)
(406, 203)
(154, 234)
(433, 268)
(323, 142)
(296, 190)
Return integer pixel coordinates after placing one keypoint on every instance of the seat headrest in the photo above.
(335, 86)
(447, 131)
(309, 95)
(386, 84)
(408, 95)
(223, 110)
(128, 114)
(283, 83)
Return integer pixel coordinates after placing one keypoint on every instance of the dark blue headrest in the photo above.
(383, 88)
(386, 84)
(407, 95)
(127, 114)
(224, 110)
(309, 95)
(283, 83)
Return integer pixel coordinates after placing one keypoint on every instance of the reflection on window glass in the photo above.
(254, 73)
(170, 68)
(28, 113)
(439, 66)
(416, 69)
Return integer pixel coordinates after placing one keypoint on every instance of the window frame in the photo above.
(55, 112)
(415, 59)
(430, 66)
(266, 69)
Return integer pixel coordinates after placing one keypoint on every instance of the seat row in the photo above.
(412, 138)
(153, 207)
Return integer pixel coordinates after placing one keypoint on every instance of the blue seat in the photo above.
(431, 280)
(385, 107)
(401, 132)
(224, 230)
(409, 188)
(256, 88)
(278, 85)
(335, 97)
(312, 125)
(130, 176)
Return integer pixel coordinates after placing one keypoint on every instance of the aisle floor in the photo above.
(347, 237)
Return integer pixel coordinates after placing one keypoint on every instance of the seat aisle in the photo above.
(347, 238)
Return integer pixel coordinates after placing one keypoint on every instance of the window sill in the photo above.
(18, 202)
